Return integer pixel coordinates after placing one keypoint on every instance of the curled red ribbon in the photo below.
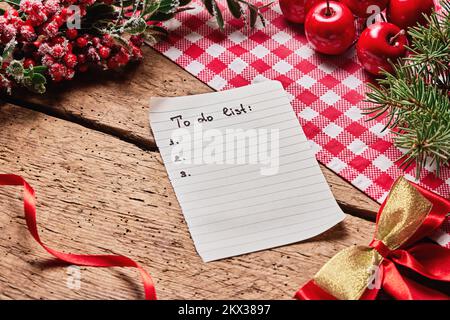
(103, 261)
(421, 257)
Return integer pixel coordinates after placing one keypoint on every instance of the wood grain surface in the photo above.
(99, 194)
(87, 149)
(117, 103)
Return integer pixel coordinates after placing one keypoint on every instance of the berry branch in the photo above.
(55, 39)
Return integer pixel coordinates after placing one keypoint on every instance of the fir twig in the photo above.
(415, 97)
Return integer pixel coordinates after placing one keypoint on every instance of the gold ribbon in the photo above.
(347, 275)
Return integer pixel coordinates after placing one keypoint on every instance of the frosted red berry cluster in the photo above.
(39, 35)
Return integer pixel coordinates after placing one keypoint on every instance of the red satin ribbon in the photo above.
(29, 202)
(427, 259)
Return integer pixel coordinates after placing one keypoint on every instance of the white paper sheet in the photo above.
(244, 191)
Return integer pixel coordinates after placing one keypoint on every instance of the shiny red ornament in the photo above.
(362, 8)
(407, 13)
(379, 44)
(330, 28)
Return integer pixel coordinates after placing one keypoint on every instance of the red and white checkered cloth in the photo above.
(327, 93)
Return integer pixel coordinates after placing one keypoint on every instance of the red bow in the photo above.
(416, 254)
(76, 259)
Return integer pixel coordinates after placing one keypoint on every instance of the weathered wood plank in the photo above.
(98, 194)
(117, 103)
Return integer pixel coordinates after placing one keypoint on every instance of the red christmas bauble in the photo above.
(293, 10)
(380, 43)
(361, 8)
(407, 13)
(296, 10)
(330, 28)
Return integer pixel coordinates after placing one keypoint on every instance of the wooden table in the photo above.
(87, 149)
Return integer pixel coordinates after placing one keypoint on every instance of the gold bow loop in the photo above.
(347, 275)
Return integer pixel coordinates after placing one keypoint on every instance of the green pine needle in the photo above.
(415, 97)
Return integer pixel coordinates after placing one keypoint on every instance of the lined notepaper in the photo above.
(242, 169)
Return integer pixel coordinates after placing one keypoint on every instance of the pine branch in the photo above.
(415, 97)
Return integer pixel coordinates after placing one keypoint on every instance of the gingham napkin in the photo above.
(327, 93)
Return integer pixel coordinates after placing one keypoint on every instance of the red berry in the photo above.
(58, 40)
(136, 53)
(107, 40)
(27, 63)
(58, 20)
(123, 57)
(63, 13)
(113, 63)
(81, 58)
(57, 72)
(27, 32)
(82, 42)
(13, 13)
(47, 60)
(70, 73)
(57, 51)
(93, 55)
(137, 40)
(96, 41)
(72, 34)
(70, 60)
(104, 52)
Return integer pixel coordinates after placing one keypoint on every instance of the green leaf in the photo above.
(100, 11)
(38, 88)
(263, 20)
(15, 70)
(38, 79)
(117, 38)
(218, 15)
(159, 16)
(158, 29)
(151, 7)
(235, 8)
(253, 15)
(8, 50)
(168, 6)
(135, 26)
(40, 69)
(209, 6)
(184, 2)
(13, 3)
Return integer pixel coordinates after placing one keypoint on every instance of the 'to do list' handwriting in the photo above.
(203, 118)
